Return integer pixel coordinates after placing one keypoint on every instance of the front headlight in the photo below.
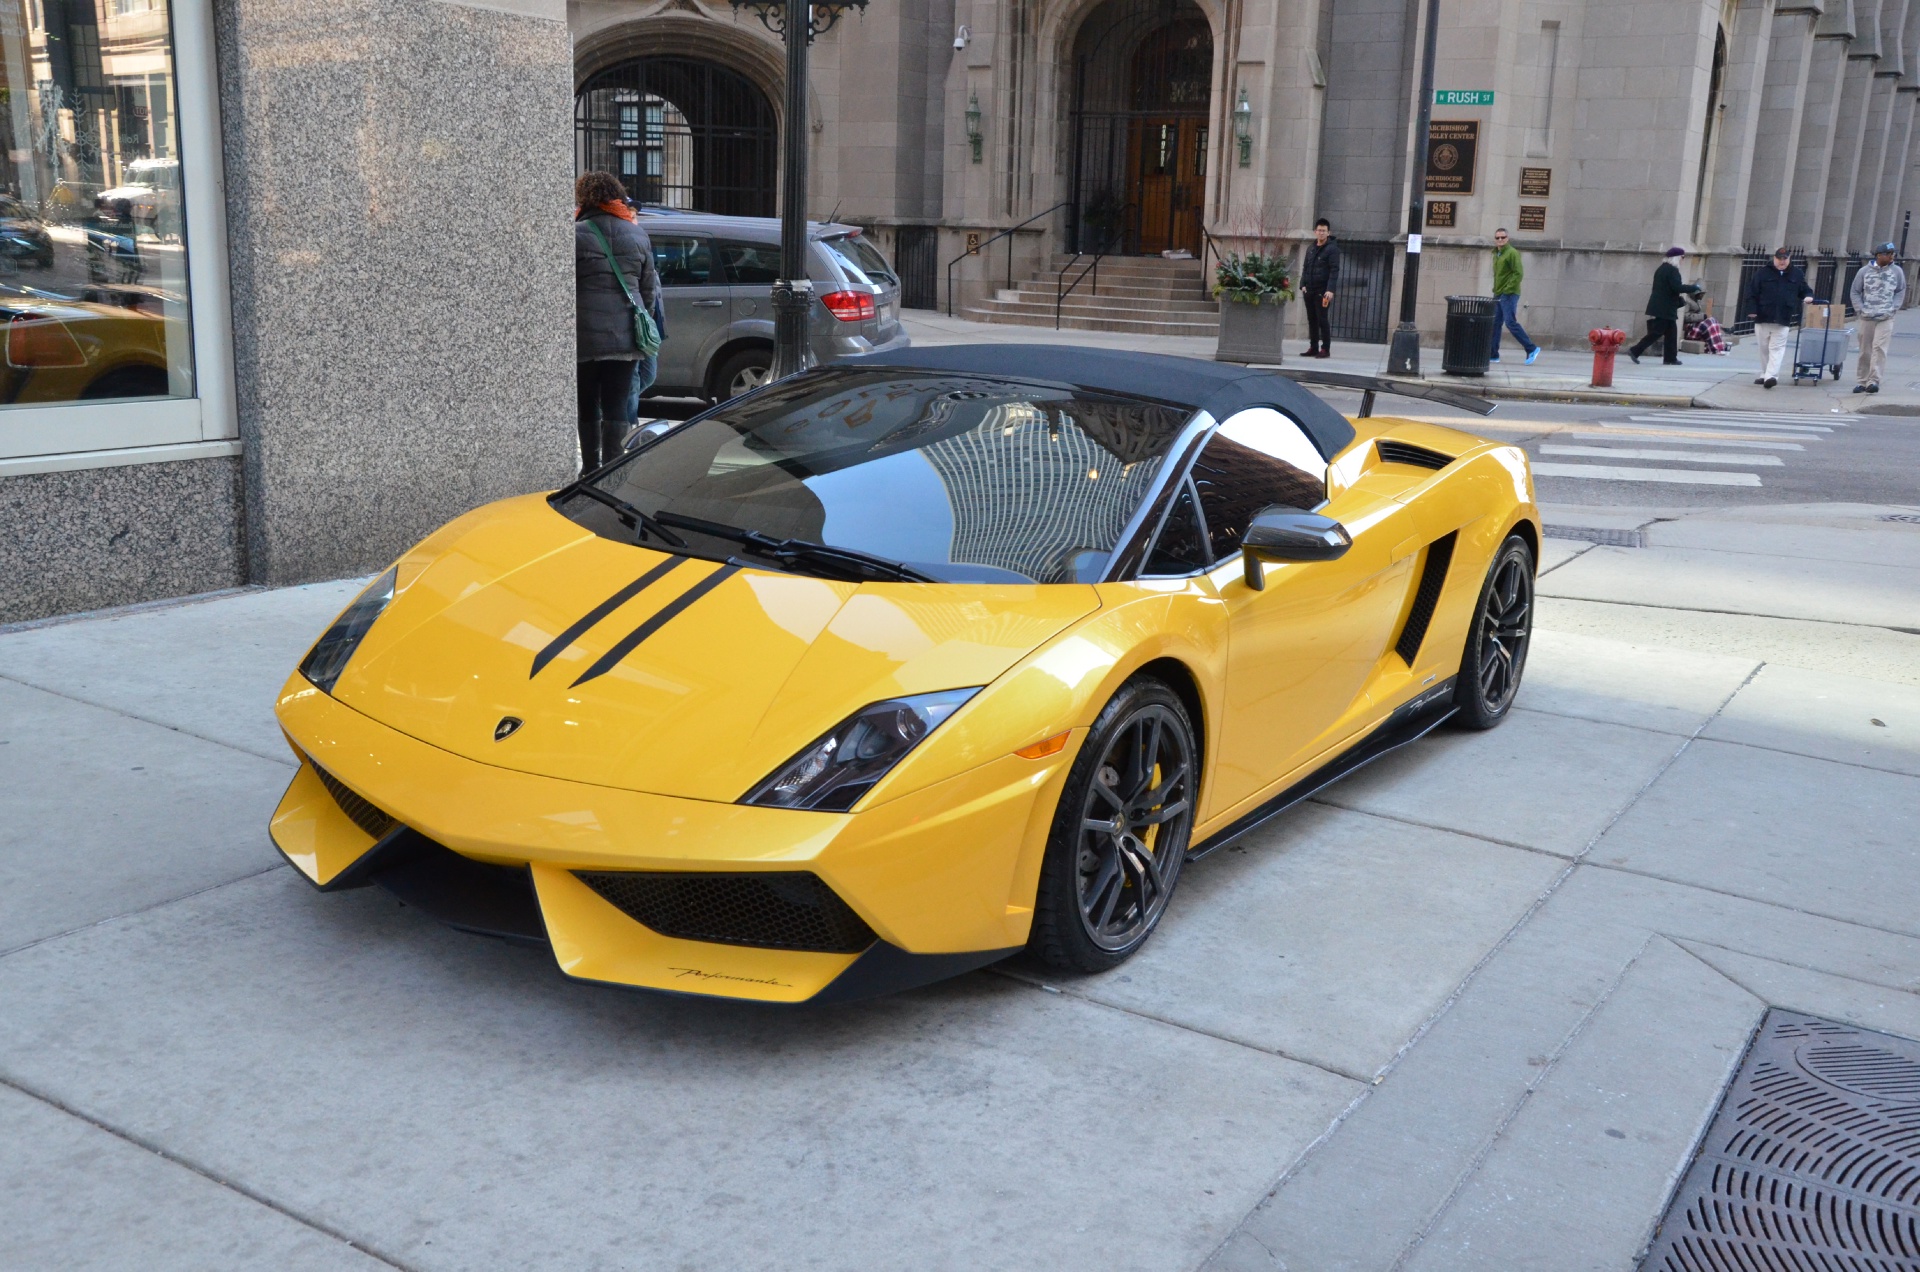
(837, 770)
(328, 657)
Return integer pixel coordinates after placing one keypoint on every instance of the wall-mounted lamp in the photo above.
(973, 125)
(1243, 128)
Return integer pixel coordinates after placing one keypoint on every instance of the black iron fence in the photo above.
(916, 258)
(1362, 297)
(680, 132)
(1830, 276)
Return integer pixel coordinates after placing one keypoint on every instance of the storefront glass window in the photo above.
(93, 247)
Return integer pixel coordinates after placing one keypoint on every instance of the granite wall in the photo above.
(399, 203)
(98, 537)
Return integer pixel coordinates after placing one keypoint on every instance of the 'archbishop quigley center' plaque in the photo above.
(1452, 147)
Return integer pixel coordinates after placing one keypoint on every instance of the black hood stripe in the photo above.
(600, 611)
(632, 640)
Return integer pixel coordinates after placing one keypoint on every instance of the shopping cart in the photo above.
(1820, 346)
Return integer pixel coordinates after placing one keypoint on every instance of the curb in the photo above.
(1528, 393)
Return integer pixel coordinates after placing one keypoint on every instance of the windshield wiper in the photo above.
(641, 523)
(787, 551)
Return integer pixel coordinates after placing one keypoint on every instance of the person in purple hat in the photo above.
(1663, 308)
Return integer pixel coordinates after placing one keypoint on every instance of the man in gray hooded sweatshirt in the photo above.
(1879, 292)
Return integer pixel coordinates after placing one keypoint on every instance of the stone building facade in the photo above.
(1600, 132)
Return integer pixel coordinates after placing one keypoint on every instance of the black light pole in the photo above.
(1403, 357)
(797, 22)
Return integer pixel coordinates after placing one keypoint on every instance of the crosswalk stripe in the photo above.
(1755, 417)
(1613, 472)
(1682, 457)
(1802, 429)
(1647, 433)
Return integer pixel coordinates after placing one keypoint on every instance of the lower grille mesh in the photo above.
(358, 810)
(788, 910)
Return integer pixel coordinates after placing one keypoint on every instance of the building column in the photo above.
(1899, 161)
(1782, 111)
(382, 389)
(1850, 126)
(1820, 119)
(1873, 158)
(1742, 95)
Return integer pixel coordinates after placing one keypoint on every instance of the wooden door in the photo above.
(1169, 169)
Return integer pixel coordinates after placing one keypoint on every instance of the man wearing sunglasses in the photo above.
(1508, 274)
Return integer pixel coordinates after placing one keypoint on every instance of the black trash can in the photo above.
(1470, 324)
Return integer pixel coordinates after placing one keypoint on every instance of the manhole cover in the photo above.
(1611, 538)
(1905, 518)
(1813, 1161)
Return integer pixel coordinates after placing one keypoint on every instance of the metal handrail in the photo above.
(1207, 247)
(981, 250)
(1062, 289)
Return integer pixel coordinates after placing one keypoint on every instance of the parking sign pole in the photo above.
(1403, 356)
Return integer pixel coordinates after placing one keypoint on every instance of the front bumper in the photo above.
(943, 877)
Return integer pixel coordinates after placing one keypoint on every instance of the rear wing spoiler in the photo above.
(1369, 385)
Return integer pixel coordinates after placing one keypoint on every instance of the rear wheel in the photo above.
(743, 372)
(1496, 652)
(1120, 833)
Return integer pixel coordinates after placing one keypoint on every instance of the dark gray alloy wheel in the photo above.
(1496, 652)
(1120, 835)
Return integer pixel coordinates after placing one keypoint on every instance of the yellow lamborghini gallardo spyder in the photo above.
(894, 667)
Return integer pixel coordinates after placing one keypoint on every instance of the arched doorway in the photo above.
(680, 132)
(1141, 101)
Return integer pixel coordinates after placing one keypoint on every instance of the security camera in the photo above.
(961, 37)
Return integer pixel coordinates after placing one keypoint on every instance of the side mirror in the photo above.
(1287, 534)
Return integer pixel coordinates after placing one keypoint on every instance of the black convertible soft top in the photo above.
(1217, 388)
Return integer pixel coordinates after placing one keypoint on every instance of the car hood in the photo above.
(631, 668)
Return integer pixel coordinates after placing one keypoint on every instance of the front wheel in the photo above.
(1496, 652)
(1120, 833)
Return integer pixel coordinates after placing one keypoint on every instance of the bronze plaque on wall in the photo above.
(1452, 147)
(1533, 218)
(1536, 183)
(1440, 215)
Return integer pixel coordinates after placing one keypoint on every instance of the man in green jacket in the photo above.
(1507, 275)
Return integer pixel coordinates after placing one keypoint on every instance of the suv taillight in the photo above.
(849, 306)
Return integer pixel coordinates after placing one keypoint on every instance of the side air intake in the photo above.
(1392, 452)
(1433, 576)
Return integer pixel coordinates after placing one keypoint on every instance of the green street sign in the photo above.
(1463, 97)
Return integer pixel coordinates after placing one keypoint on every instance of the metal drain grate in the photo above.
(1904, 518)
(1813, 1161)
(1611, 538)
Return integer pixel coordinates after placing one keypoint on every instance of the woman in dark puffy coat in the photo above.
(603, 319)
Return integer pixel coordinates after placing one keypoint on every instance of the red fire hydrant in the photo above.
(1606, 342)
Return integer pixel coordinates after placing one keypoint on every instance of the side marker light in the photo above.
(1041, 750)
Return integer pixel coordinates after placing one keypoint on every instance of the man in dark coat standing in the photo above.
(1772, 304)
(1663, 308)
(1319, 273)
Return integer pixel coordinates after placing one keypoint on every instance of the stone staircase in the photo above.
(1145, 295)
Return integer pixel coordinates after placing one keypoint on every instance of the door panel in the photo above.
(697, 307)
(1168, 154)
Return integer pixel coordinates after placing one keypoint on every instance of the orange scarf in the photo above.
(620, 210)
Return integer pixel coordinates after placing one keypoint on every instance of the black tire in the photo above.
(747, 369)
(1496, 652)
(127, 382)
(1112, 862)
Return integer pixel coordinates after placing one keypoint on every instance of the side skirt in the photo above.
(1408, 723)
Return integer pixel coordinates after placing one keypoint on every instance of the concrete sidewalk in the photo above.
(1720, 381)
(1467, 1010)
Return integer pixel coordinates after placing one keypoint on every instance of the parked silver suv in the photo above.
(716, 272)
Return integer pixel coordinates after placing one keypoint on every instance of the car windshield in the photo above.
(960, 478)
(862, 258)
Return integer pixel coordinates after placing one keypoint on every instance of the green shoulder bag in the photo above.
(646, 336)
